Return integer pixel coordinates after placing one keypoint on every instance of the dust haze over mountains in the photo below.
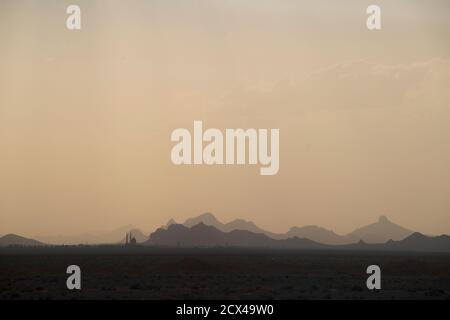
(86, 118)
(363, 117)
(378, 232)
(204, 236)
(206, 230)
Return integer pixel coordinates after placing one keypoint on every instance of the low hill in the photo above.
(416, 242)
(15, 240)
(420, 242)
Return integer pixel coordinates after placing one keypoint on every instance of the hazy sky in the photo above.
(86, 116)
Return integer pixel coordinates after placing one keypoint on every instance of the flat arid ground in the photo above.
(219, 273)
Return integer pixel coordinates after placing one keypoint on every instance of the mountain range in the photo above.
(206, 230)
(202, 235)
(378, 232)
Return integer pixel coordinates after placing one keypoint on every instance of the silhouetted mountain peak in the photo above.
(206, 218)
(383, 219)
(170, 222)
(378, 232)
(416, 236)
(241, 224)
(207, 215)
(11, 236)
(206, 236)
(16, 240)
(381, 231)
(420, 242)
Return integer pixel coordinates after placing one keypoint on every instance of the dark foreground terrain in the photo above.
(155, 273)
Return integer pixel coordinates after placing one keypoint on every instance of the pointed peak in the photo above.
(416, 235)
(208, 215)
(171, 221)
(207, 218)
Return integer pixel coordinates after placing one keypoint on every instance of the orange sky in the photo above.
(86, 116)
